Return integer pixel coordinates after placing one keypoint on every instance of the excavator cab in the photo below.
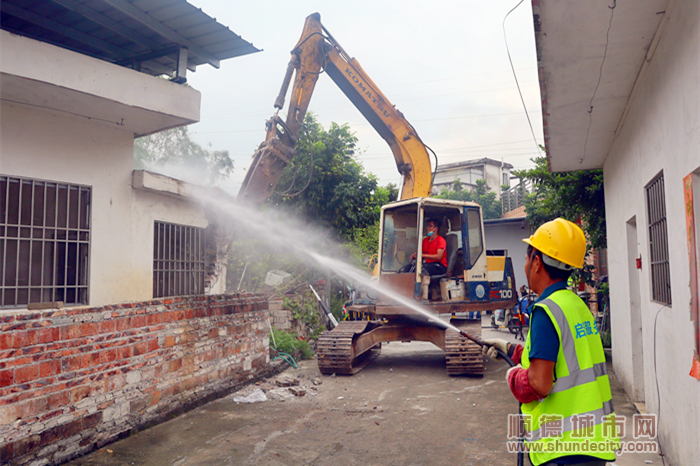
(474, 275)
(476, 280)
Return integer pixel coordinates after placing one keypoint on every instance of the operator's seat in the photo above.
(451, 248)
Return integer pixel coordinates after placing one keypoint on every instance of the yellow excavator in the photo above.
(476, 279)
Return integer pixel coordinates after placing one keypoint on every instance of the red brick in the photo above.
(140, 348)
(49, 368)
(26, 373)
(70, 332)
(32, 407)
(174, 365)
(5, 341)
(189, 314)
(24, 339)
(71, 363)
(123, 324)
(108, 326)
(78, 393)
(116, 382)
(124, 352)
(153, 398)
(90, 359)
(153, 344)
(48, 335)
(154, 319)
(138, 321)
(169, 342)
(18, 362)
(88, 329)
(108, 356)
(57, 400)
(7, 378)
(213, 333)
(92, 420)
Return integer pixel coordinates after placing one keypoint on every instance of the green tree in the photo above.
(574, 196)
(488, 200)
(339, 194)
(174, 152)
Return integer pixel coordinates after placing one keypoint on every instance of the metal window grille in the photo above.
(44, 242)
(658, 241)
(178, 260)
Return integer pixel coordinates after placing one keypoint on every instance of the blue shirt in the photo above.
(544, 341)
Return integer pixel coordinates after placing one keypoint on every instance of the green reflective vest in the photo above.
(577, 417)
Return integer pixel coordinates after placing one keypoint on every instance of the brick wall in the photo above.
(72, 380)
(281, 318)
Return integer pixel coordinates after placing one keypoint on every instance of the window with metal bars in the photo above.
(178, 260)
(658, 241)
(44, 242)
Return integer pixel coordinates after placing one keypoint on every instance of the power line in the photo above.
(600, 76)
(505, 38)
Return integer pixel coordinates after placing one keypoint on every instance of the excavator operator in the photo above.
(561, 379)
(433, 253)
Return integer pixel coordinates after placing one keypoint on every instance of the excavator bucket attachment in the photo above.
(268, 163)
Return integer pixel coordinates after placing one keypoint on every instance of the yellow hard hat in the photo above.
(562, 241)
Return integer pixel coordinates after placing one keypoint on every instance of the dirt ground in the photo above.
(402, 409)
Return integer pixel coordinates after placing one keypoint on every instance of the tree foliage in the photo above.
(574, 196)
(173, 152)
(340, 195)
(488, 200)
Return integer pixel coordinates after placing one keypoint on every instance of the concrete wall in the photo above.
(500, 235)
(660, 134)
(74, 150)
(70, 118)
(73, 380)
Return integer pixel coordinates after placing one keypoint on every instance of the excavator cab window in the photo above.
(471, 230)
(399, 238)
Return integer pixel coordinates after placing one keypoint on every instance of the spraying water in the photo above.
(289, 235)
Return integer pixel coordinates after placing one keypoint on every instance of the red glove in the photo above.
(519, 384)
(517, 353)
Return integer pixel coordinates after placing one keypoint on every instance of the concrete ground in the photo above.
(402, 409)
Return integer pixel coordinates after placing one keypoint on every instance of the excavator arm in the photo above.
(318, 51)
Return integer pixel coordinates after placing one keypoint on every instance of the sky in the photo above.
(444, 64)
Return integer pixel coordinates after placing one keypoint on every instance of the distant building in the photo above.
(468, 172)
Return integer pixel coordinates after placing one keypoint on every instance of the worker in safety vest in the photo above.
(561, 379)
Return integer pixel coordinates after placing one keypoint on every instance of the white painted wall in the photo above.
(661, 132)
(509, 236)
(493, 174)
(72, 150)
(76, 147)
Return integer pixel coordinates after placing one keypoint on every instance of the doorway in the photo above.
(635, 307)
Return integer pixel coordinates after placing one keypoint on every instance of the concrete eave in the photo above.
(53, 79)
(573, 42)
(172, 187)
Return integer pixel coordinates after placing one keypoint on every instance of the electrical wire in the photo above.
(600, 76)
(118, 123)
(658, 393)
(505, 38)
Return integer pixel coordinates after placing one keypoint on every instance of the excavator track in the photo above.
(335, 352)
(463, 356)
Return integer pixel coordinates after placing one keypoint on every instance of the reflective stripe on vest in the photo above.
(569, 377)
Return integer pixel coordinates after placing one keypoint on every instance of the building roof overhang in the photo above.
(590, 56)
(157, 37)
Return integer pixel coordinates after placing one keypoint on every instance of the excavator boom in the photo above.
(315, 52)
